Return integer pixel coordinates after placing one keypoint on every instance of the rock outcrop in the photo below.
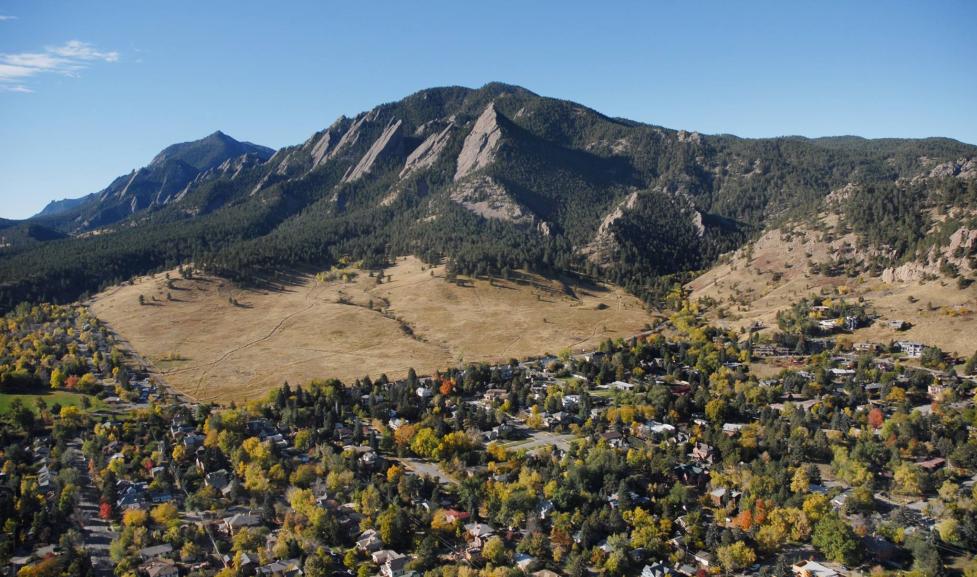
(962, 168)
(390, 139)
(601, 249)
(427, 152)
(487, 198)
(481, 144)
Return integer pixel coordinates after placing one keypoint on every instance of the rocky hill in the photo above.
(492, 180)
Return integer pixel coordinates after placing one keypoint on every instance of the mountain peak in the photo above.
(209, 152)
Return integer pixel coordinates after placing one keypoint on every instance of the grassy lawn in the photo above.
(63, 398)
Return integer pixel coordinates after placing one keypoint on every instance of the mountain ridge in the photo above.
(491, 179)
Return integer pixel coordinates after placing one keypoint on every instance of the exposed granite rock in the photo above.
(487, 198)
(601, 248)
(961, 168)
(481, 144)
(390, 139)
(428, 152)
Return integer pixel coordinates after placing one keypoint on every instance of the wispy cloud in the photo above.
(67, 59)
(4, 18)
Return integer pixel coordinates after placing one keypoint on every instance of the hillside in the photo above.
(933, 292)
(305, 328)
(493, 180)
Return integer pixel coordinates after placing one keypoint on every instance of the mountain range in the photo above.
(491, 179)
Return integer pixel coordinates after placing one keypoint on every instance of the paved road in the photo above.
(97, 534)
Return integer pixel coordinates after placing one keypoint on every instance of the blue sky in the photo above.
(91, 90)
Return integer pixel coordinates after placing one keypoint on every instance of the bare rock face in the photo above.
(489, 199)
(323, 146)
(700, 227)
(840, 195)
(428, 152)
(390, 139)
(351, 136)
(297, 161)
(230, 168)
(955, 252)
(601, 248)
(481, 144)
(962, 168)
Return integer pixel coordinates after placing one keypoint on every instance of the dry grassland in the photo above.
(755, 283)
(212, 349)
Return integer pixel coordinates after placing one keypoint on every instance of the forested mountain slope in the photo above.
(492, 179)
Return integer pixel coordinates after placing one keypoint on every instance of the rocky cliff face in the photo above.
(387, 144)
(429, 151)
(481, 144)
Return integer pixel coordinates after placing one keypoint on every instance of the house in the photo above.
(148, 553)
(369, 541)
(160, 568)
(492, 396)
(218, 479)
(656, 430)
(614, 439)
(392, 563)
(43, 477)
(571, 401)
(158, 497)
(424, 392)
(703, 452)
(502, 431)
(813, 569)
(193, 440)
(545, 573)
(720, 496)
(703, 558)
(452, 515)
(233, 524)
(840, 499)
(896, 324)
(912, 349)
(621, 386)
(288, 568)
(657, 569)
(479, 533)
(829, 324)
(717, 496)
(932, 464)
(732, 429)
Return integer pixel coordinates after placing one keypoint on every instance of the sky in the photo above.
(91, 90)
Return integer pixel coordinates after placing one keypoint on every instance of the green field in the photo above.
(63, 398)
